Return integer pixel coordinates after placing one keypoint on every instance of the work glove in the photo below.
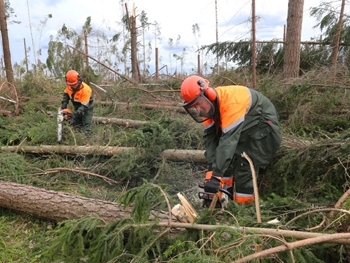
(68, 115)
(212, 185)
(71, 116)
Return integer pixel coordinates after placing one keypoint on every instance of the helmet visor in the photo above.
(76, 86)
(200, 108)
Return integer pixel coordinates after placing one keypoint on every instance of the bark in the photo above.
(290, 246)
(196, 156)
(292, 46)
(167, 106)
(253, 46)
(337, 36)
(133, 37)
(121, 122)
(60, 206)
(6, 44)
(56, 206)
(177, 155)
(63, 149)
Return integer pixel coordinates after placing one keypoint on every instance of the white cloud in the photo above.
(174, 17)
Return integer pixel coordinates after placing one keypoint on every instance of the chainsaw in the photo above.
(208, 198)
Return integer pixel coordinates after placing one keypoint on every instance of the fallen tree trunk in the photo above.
(254, 230)
(293, 245)
(170, 154)
(120, 122)
(56, 206)
(60, 206)
(158, 106)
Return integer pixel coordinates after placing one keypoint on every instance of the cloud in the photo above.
(175, 18)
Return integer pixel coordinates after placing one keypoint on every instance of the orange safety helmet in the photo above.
(193, 89)
(72, 77)
(194, 86)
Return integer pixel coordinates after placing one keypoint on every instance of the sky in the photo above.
(175, 20)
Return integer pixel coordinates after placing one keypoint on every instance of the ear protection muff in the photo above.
(208, 92)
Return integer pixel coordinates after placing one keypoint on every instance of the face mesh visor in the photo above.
(194, 113)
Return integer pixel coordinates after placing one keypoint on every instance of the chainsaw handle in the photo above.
(221, 190)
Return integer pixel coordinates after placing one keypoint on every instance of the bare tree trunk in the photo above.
(86, 49)
(157, 64)
(120, 122)
(133, 31)
(337, 36)
(60, 206)
(6, 45)
(56, 206)
(161, 106)
(199, 71)
(217, 36)
(170, 154)
(25, 54)
(292, 47)
(253, 47)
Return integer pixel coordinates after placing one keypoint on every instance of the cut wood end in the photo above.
(180, 213)
(190, 211)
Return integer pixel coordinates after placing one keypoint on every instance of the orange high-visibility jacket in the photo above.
(82, 99)
(239, 110)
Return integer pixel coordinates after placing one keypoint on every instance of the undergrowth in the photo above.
(309, 173)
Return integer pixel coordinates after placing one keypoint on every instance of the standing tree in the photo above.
(133, 36)
(293, 38)
(335, 28)
(6, 45)
(337, 36)
(217, 36)
(253, 46)
(170, 43)
(144, 25)
(197, 34)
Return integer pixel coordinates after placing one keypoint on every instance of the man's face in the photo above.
(203, 107)
(75, 86)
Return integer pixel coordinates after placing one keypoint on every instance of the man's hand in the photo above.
(71, 116)
(212, 185)
(68, 115)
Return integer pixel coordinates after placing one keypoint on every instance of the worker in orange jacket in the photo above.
(236, 119)
(80, 94)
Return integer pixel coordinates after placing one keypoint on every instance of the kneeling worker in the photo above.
(236, 119)
(80, 94)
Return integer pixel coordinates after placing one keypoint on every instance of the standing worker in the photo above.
(236, 119)
(82, 99)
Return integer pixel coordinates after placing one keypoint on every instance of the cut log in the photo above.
(158, 106)
(196, 156)
(58, 206)
(180, 213)
(64, 149)
(121, 122)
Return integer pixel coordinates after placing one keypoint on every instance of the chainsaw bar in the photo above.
(60, 119)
